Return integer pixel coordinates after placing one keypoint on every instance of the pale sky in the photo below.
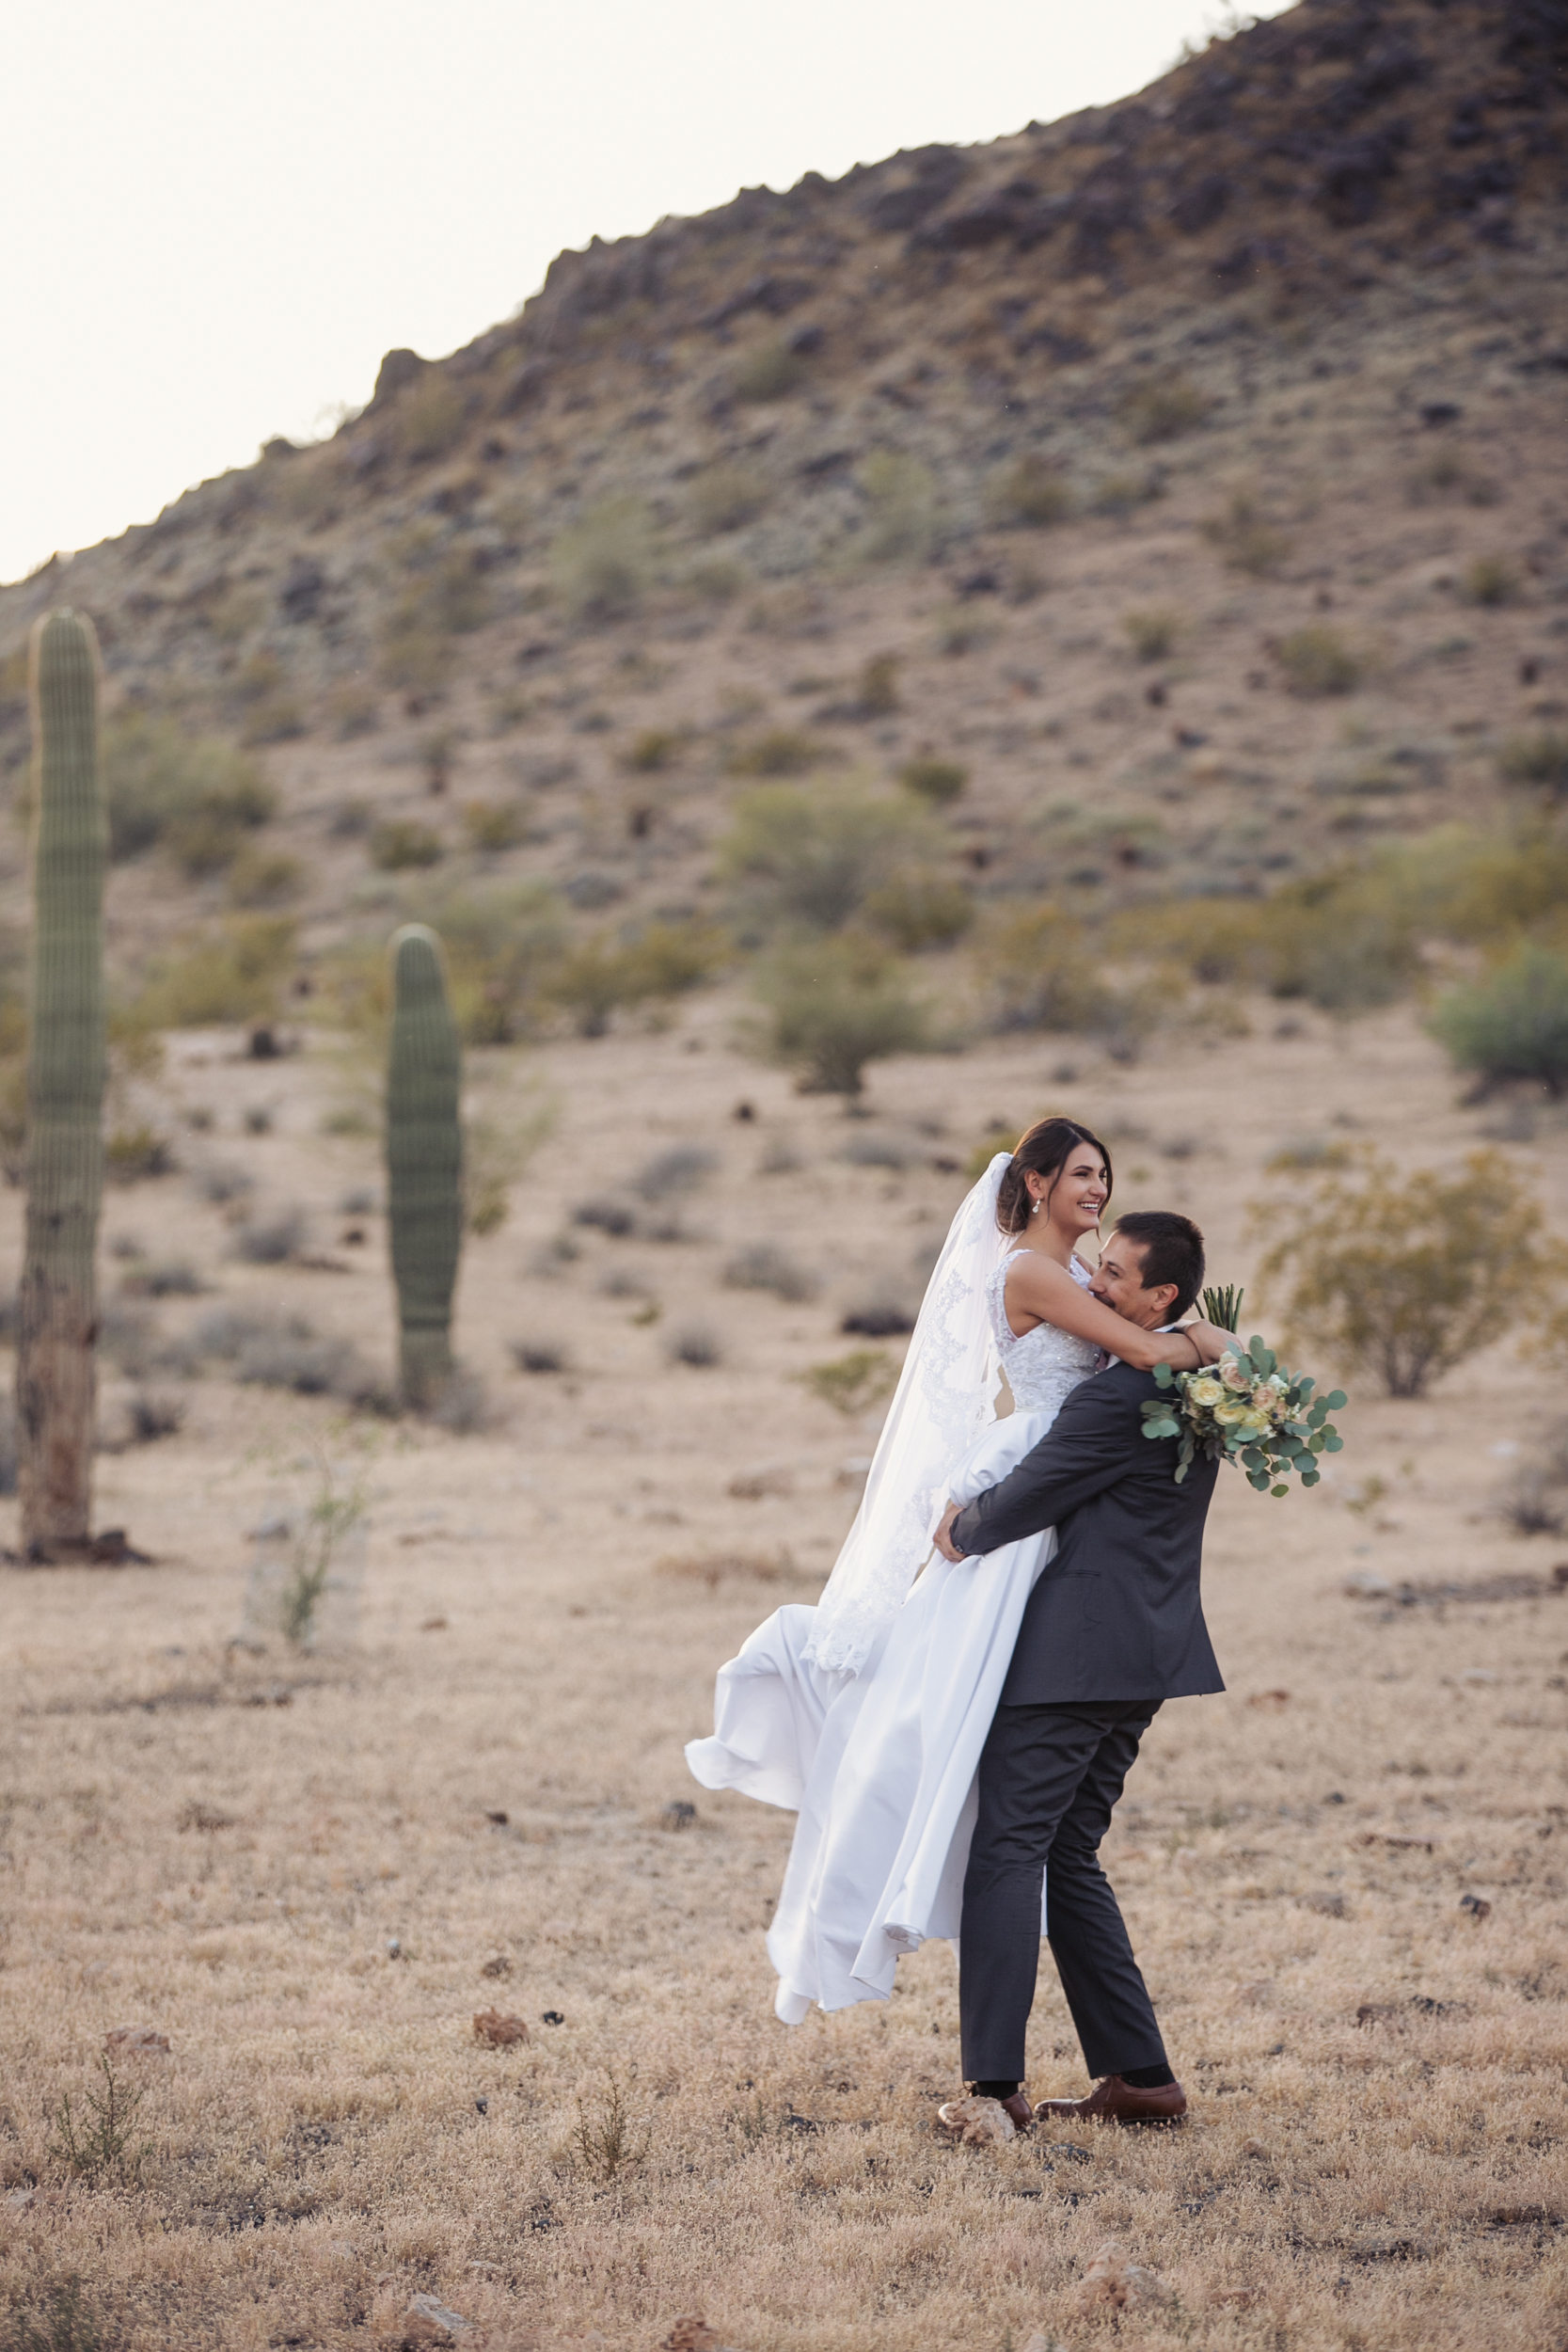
(220, 217)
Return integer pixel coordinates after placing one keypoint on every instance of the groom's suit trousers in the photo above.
(1050, 1778)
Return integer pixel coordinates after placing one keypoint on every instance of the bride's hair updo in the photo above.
(1044, 1150)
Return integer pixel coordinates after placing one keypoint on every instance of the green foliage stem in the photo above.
(424, 1161)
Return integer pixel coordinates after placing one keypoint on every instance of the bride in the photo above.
(866, 1714)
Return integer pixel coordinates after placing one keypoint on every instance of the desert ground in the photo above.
(308, 1871)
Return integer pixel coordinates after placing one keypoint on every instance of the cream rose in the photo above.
(1204, 1392)
(1233, 1375)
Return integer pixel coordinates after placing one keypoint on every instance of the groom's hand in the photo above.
(946, 1544)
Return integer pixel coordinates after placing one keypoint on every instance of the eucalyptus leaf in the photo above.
(1336, 1401)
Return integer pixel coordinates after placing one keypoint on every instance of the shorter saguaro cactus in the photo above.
(57, 1318)
(424, 1161)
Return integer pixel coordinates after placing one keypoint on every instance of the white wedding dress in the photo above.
(867, 1714)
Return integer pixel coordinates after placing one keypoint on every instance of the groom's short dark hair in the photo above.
(1172, 1250)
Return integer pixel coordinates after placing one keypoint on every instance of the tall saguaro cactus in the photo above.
(55, 1369)
(425, 1160)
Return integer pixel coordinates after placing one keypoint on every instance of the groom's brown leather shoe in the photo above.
(1115, 2102)
(1018, 2106)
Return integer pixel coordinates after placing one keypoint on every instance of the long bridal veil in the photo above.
(943, 1398)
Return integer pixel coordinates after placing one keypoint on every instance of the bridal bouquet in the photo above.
(1245, 1410)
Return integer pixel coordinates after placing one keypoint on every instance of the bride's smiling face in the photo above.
(1074, 1197)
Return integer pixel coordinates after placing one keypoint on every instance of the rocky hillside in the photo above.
(1186, 475)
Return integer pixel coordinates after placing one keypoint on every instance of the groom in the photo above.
(1112, 1629)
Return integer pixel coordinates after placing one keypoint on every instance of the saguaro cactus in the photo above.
(55, 1367)
(424, 1161)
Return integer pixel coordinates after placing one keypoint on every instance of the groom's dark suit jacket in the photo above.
(1117, 1612)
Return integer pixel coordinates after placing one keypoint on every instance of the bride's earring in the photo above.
(1037, 1207)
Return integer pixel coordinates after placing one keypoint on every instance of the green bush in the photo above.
(1028, 494)
(430, 417)
(782, 751)
(1162, 408)
(901, 494)
(602, 565)
(768, 373)
(403, 843)
(934, 780)
(1317, 661)
(877, 691)
(809, 858)
(188, 791)
(495, 825)
(234, 974)
(263, 878)
(1541, 759)
(653, 750)
(1246, 539)
(1513, 1025)
(1152, 632)
(724, 498)
(916, 911)
(1410, 1278)
(593, 979)
(1041, 971)
(834, 1008)
(1491, 579)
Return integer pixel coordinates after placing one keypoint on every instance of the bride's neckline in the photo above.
(1075, 1265)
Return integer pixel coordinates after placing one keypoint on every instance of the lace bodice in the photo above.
(1045, 1365)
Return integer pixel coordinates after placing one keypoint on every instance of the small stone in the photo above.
(680, 1815)
(691, 2335)
(1112, 2283)
(552, 2017)
(976, 2122)
(498, 2030)
(394, 1948)
(499, 1966)
(427, 2320)
(1257, 2147)
(1476, 1905)
(482, 2107)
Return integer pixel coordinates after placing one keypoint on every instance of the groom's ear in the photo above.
(1167, 1294)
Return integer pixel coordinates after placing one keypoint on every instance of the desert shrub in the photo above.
(780, 752)
(724, 498)
(763, 1266)
(270, 1240)
(1245, 537)
(500, 941)
(606, 1214)
(717, 578)
(1406, 1279)
(834, 1008)
(1317, 661)
(152, 1414)
(131, 1153)
(1040, 972)
(809, 858)
(1218, 942)
(854, 1384)
(869, 1148)
(962, 629)
(164, 1278)
(429, 419)
(694, 1343)
(263, 878)
(1162, 408)
(1533, 1505)
(768, 373)
(595, 979)
(197, 794)
(877, 695)
(916, 911)
(1448, 473)
(1029, 493)
(653, 750)
(403, 843)
(900, 493)
(1491, 579)
(539, 1356)
(671, 1175)
(882, 1315)
(1511, 1025)
(463, 1406)
(1540, 759)
(222, 1182)
(290, 1356)
(1152, 632)
(234, 974)
(271, 711)
(495, 825)
(936, 782)
(1123, 493)
(602, 563)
